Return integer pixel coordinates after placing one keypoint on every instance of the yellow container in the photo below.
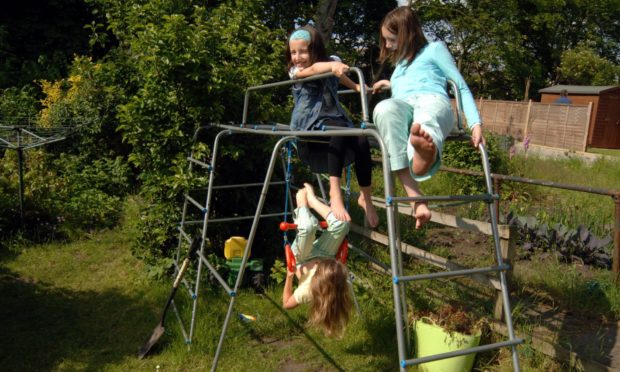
(233, 248)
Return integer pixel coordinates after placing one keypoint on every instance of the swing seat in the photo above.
(291, 262)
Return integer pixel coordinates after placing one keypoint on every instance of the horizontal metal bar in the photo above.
(217, 275)
(531, 181)
(346, 132)
(289, 82)
(477, 349)
(446, 274)
(247, 185)
(196, 161)
(370, 258)
(480, 197)
(242, 218)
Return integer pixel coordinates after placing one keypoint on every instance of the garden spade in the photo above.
(159, 330)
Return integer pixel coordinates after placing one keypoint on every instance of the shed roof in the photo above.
(578, 89)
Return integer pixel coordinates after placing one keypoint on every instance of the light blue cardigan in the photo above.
(427, 74)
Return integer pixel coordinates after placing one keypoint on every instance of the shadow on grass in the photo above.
(301, 329)
(44, 326)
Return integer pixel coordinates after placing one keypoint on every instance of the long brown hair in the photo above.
(331, 298)
(406, 25)
(316, 47)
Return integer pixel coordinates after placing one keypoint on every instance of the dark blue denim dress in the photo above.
(316, 103)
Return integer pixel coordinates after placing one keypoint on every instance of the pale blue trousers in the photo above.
(306, 247)
(393, 118)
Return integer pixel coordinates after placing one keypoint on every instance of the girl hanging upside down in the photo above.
(322, 280)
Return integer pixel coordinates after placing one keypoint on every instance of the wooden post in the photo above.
(565, 125)
(546, 125)
(616, 254)
(496, 185)
(527, 119)
(508, 247)
(587, 132)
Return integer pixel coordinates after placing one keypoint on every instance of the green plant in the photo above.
(568, 244)
(455, 319)
(278, 272)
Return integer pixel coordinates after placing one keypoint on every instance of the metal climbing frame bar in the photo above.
(398, 279)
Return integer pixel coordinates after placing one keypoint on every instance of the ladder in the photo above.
(399, 280)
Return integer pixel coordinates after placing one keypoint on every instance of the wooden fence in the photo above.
(560, 126)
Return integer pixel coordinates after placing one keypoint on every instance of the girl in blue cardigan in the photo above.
(417, 119)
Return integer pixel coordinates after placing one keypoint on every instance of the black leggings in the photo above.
(357, 147)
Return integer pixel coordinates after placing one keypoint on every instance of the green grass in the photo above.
(609, 152)
(88, 306)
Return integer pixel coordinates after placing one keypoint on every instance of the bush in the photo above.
(62, 195)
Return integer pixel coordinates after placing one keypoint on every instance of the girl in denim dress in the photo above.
(316, 105)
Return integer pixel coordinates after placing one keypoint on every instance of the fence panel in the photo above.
(560, 126)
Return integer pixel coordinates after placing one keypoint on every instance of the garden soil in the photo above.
(592, 343)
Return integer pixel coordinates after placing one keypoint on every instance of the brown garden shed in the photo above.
(604, 123)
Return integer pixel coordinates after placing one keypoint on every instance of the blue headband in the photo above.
(301, 34)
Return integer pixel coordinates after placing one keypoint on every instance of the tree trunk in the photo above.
(325, 18)
(527, 88)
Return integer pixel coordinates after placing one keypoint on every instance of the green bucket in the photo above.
(431, 339)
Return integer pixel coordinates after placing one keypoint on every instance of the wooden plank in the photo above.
(425, 256)
(450, 220)
(553, 350)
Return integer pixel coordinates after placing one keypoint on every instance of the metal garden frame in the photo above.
(398, 279)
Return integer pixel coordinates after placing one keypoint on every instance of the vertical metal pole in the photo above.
(616, 256)
(205, 223)
(499, 259)
(394, 247)
(246, 253)
(497, 184)
(20, 165)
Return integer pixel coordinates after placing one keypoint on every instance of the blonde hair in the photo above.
(331, 298)
(405, 24)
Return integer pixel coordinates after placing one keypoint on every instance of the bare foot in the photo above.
(337, 206)
(421, 213)
(370, 211)
(425, 150)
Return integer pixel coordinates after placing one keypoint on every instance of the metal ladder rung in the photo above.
(195, 203)
(255, 184)
(447, 274)
(228, 219)
(477, 349)
(479, 197)
(217, 275)
(196, 161)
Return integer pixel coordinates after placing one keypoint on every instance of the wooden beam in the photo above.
(425, 256)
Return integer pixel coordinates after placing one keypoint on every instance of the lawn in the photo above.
(88, 305)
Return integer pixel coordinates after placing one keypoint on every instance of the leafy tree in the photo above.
(38, 39)
(583, 66)
(188, 65)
